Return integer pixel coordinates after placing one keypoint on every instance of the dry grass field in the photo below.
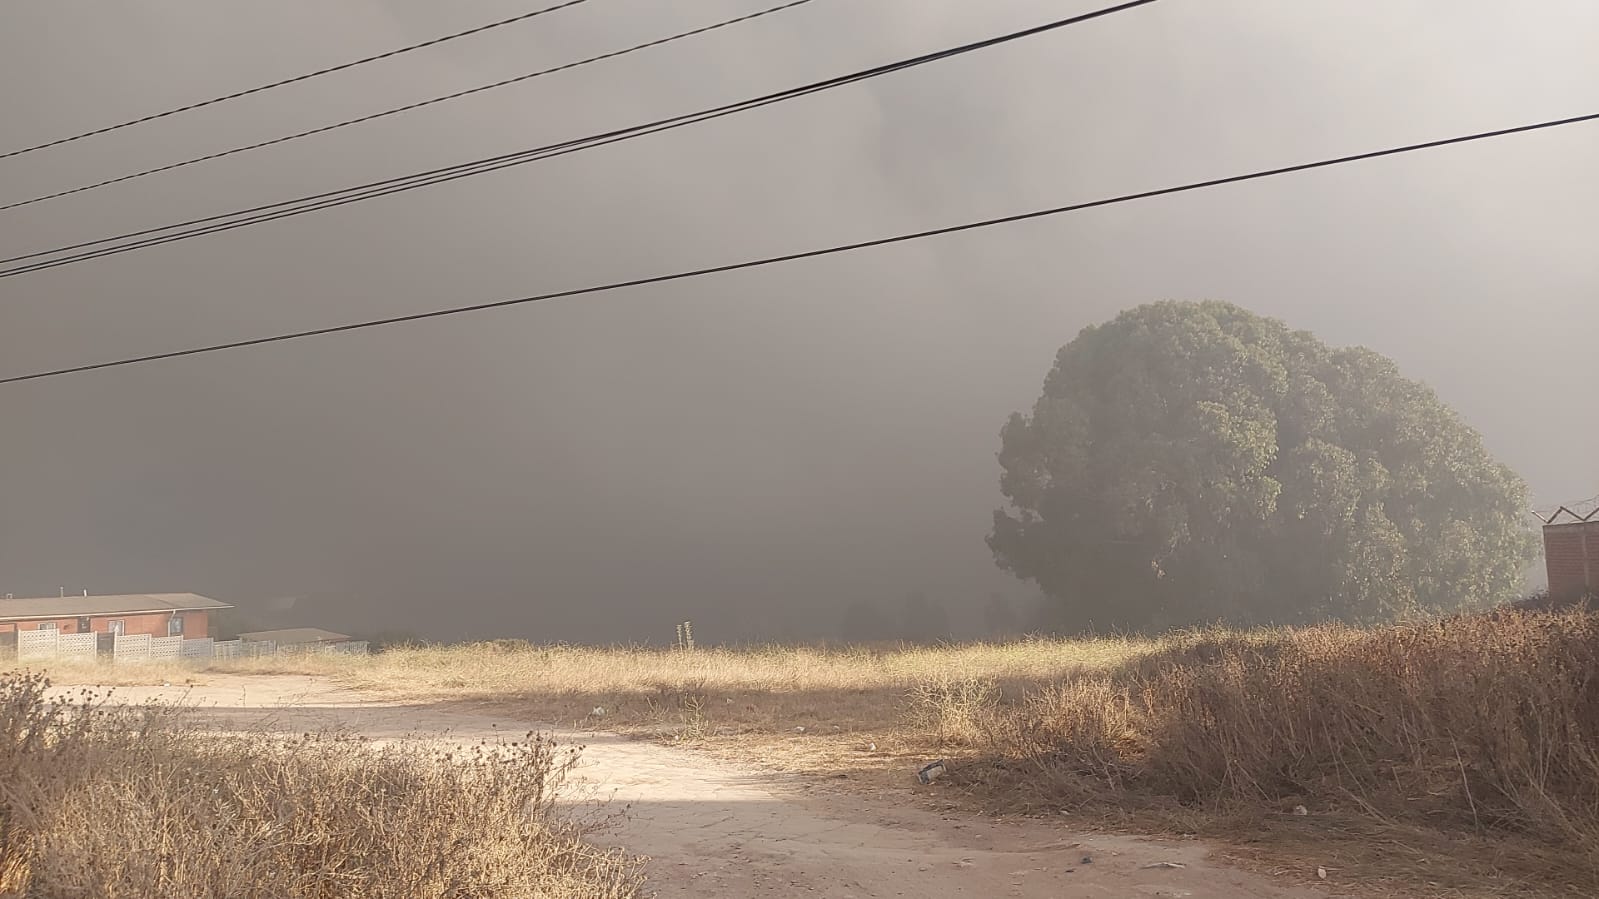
(1456, 757)
(106, 802)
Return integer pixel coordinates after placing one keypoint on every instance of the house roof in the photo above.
(91, 606)
(291, 636)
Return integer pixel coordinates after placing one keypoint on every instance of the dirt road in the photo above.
(711, 829)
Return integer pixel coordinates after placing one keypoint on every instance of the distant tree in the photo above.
(924, 620)
(865, 623)
(999, 617)
(1191, 462)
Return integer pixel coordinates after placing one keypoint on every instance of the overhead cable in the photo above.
(409, 107)
(136, 240)
(294, 80)
(803, 254)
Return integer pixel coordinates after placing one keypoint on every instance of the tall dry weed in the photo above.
(97, 801)
(1485, 726)
(959, 709)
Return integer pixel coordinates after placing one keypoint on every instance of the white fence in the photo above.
(131, 648)
(165, 649)
(197, 648)
(36, 645)
(347, 648)
(83, 647)
(49, 645)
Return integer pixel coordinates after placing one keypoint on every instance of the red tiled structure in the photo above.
(156, 614)
(1571, 554)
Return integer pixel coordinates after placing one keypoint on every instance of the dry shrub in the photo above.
(1081, 736)
(1480, 726)
(101, 801)
(959, 710)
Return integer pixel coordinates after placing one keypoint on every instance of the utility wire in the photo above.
(406, 108)
(400, 185)
(297, 78)
(283, 209)
(804, 254)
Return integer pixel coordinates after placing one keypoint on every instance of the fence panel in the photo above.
(85, 647)
(197, 648)
(131, 648)
(226, 649)
(36, 645)
(166, 648)
(350, 648)
(255, 648)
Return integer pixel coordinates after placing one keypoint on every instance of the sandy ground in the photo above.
(711, 828)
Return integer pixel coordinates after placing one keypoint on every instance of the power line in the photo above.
(449, 173)
(283, 209)
(411, 182)
(403, 109)
(804, 254)
(294, 80)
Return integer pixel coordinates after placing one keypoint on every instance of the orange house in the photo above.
(156, 614)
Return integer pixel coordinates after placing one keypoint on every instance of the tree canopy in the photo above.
(1194, 462)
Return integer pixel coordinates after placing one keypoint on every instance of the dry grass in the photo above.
(1466, 751)
(128, 674)
(1457, 757)
(764, 688)
(660, 692)
(108, 802)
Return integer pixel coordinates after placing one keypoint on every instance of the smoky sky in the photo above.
(753, 450)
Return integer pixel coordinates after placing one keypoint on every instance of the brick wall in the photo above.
(1571, 552)
(195, 624)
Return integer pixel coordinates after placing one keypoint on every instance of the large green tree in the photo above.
(1193, 462)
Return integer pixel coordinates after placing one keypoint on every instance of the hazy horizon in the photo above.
(755, 450)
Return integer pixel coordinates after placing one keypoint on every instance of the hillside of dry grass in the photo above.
(108, 802)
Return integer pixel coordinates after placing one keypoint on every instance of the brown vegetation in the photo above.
(1458, 756)
(1466, 750)
(106, 802)
(1462, 752)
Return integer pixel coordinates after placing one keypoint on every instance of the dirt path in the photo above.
(712, 829)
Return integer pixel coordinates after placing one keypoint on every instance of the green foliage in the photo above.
(1193, 462)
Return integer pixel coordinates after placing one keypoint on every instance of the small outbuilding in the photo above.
(296, 636)
(1571, 553)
